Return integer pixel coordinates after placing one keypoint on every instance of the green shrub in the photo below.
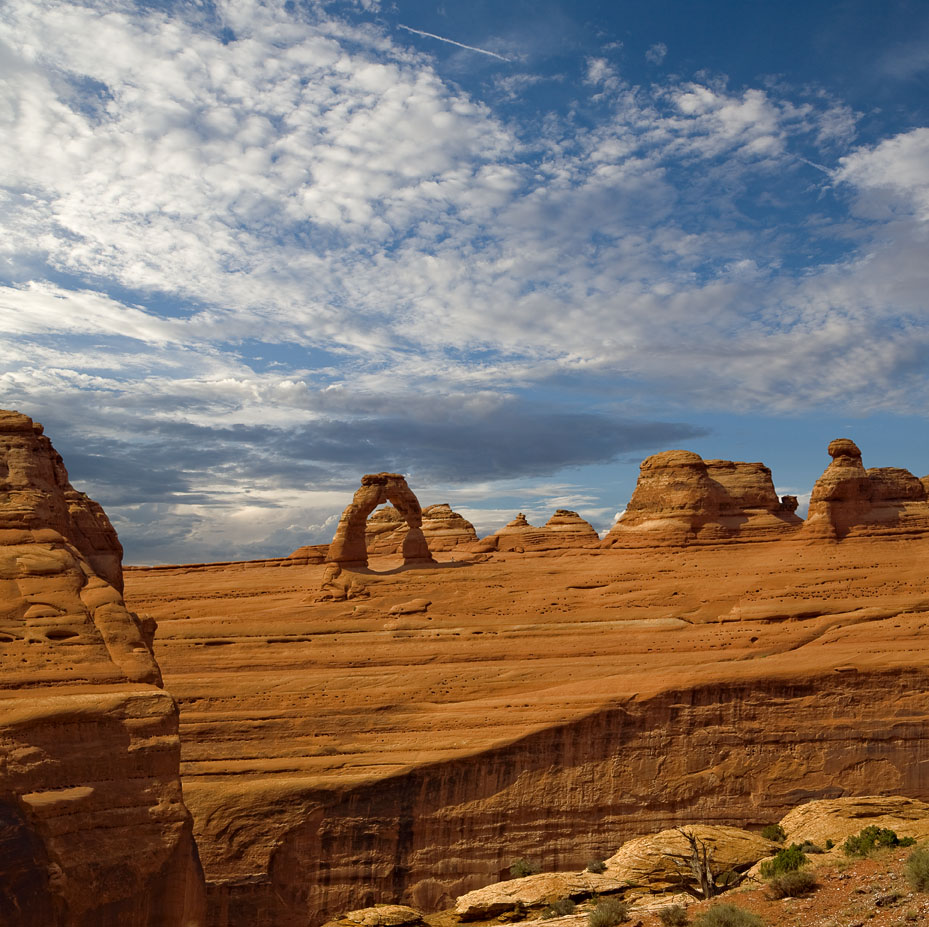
(871, 838)
(774, 832)
(520, 868)
(609, 913)
(728, 915)
(809, 847)
(917, 870)
(790, 859)
(793, 884)
(560, 908)
(830, 843)
(596, 865)
(674, 915)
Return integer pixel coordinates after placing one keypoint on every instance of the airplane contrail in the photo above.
(430, 35)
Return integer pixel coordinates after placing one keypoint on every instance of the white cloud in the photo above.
(656, 53)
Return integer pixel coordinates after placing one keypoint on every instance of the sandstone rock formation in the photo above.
(563, 531)
(543, 707)
(349, 547)
(847, 499)
(680, 498)
(443, 529)
(837, 818)
(91, 810)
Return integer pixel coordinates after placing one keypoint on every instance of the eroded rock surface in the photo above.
(837, 818)
(848, 499)
(563, 531)
(349, 544)
(442, 528)
(89, 752)
(680, 498)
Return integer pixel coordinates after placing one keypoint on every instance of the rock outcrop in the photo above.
(848, 499)
(349, 545)
(680, 498)
(837, 818)
(443, 529)
(91, 810)
(563, 531)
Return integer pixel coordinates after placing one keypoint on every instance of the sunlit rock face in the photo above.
(680, 498)
(89, 748)
(442, 528)
(848, 499)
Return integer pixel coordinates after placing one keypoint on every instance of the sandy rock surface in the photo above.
(837, 818)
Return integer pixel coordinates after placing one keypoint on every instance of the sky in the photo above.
(252, 250)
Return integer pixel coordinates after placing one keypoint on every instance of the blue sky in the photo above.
(253, 250)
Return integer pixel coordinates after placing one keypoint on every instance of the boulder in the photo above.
(384, 915)
(90, 796)
(649, 862)
(534, 891)
(680, 498)
(837, 818)
(848, 499)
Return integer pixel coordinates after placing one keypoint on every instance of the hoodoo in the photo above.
(443, 529)
(680, 498)
(564, 530)
(94, 829)
(849, 499)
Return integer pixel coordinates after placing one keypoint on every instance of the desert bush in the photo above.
(560, 908)
(728, 915)
(609, 913)
(917, 870)
(787, 860)
(774, 832)
(674, 915)
(830, 843)
(809, 847)
(520, 868)
(793, 884)
(596, 865)
(871, 838)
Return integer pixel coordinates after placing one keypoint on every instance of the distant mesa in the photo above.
(681, 498)
(848, 499)
(564, 530)
(443, 529)
(349, 546)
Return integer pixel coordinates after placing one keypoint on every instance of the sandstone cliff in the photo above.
(443, 529)
(847, 499)
(90, 797)
(680, 498)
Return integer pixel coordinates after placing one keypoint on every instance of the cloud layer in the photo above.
(248, 224)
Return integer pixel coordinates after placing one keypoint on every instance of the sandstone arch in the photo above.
(348, 546)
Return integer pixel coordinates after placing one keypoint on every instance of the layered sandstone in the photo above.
(848, 499)
(349, 544)
(443, 529)
(563, 531)
(90, 798)
(342, 753)
(680, 498)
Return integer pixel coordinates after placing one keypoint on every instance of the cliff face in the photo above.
(680, 498)
(89, 751)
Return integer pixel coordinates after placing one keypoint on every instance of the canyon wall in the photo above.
(726, 753)
(93, 828)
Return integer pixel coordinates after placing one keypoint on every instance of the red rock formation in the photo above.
(443, 529)
(348, 546)
(90, 799)
(563, 531)
(680, 498)
(847, 499)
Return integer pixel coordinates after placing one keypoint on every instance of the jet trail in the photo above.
(440, 38)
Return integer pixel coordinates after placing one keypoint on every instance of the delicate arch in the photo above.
(348, 546)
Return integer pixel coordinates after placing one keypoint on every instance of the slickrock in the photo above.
(547, 707)
(349, 547)
(656, 862)
(90, 798)
(680, 498)
(535, 891)
(837, 818)
(443, 529)
(384, 915)
(847, 499)
(564, 530)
